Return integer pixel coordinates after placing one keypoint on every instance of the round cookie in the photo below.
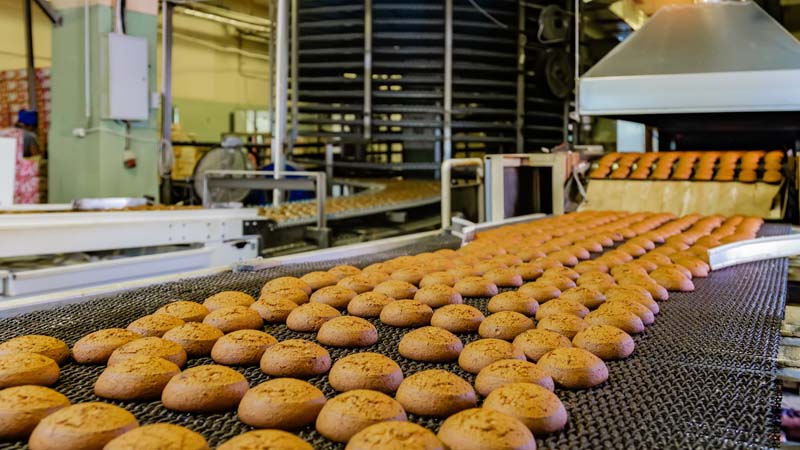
(644, 313)
(513, 301)
(394, 436)
(574, 368)
(234, 318)
(205, 389)
(458, 318)
(347, 331)
(506, 371)
(286, 282)
(318, 280)
(295, 358)
(411, 275)
(84, 426)
(637, 294)
(343, 271)
(226, 299)
(479, 354)
(435, 392)
(588, 297)
(196, 338)
(19, 369)
(366, 370)
(562, 271)
(282, 403)
(294, 295)
(561, 306)
(475, 287)
(672, 280)
(266, 439)
(504, 325)
(438, 295)
(368, 304)
(406, 313)
(397, 289)
(242, 348)
(565, 324)
(159, 436)
(467, 430)
(23, 407)
(559, 281)
(359, 283)
(335, 296)
(605, 342)
(310, 317)
(137, 377)
(350, 412)
(184, 310)
(154, 325)
(536, 407)
(591, 266)
(445, 278)
(535, 343)
(53, 348)
(273, 309)
(150, 346)
(655, 290)
(541, 292)
(504, 277)
(430, 344)
(528, 271)
(621, 318)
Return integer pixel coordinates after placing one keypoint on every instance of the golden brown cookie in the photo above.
(635, 294)
(394, 436)
(561, 306)
(445, 278)
(574, 368)
(184, 310)
(475, 287)
(286, 282)
(154, 325)
(273, 309)
(159, 436)
(588, 297)
(478, 354)
(672, 279)
(336, 296)
(234, 318)
(347, 331)
(358, 283)
(396, 289)
(563, 323)
(282, 403)
(528, 271)
(366, 370)
(458, 318)
(467, 430)
(150, 346)
(406, 313)
(196, 338)
(344, 271)
(513, 301)
(647, 317)
(772, 176)
(438, 295)
(227, 299)
(269, 439)
(605, 342)
(53, 348)
(23, 407)
(535, 343)
(504, 325)
(411, 275)
(318, 280)
(242, 348)
(504, 277)
(205, 389)
(295, 358)
(350, 412)
(533, 405)
(294, 295)
(541, 292)
(506, 371)
(137, 377)
(435, 392)
(19, 369)
(368, 305)
(310, 317)
(431, 344)
(85, 426)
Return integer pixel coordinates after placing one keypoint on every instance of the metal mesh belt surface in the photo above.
(703, 376)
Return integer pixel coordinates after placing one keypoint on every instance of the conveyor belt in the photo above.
(702, 377)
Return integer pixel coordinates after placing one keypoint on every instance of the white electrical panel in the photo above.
(128, 94)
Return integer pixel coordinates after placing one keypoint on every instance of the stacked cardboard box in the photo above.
(14, 97)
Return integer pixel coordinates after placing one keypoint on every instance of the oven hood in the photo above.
(723, 57)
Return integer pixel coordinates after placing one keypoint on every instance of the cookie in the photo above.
(411, 275)
(561, 306)
(639, 309)
(562, 323)
(445, 278)
(458, 318)
(528, 271)
(23, 407)
(406, 313)
(336, 296)
(596, 279)
(396, 289)
(343, 271)
(227, 299)
(574, 368)
(588, 297)
(282, 403)
(468, 430)
(310, 317)
(561, 271)
(234, 318)
(504, 325)
(535, 343)
(533, 405)
(475, 287)
(621, 318)
(85, 426)
(438, 295)
(318, 280)
(478, 354)
(295, 358)
(436, 393)
(294, 295)
(366, 370)
(273, 309)
(655, 290)
(286, 282)
(205, 389)
(513, 301)
(506, 371)
(159, 436)
(197, 339)
(358, 283)
(430, 344)
(504, 277)
(266, 439)
(347, 331)
(672, 279)
(368, 305)
(242, 348)
(53, 348)
(184, 310)
(19, 369)
(541, 292)
(350, 412)
(137, 377)
(605, 342)
(394, 436)
(150, 346)
(154, 325)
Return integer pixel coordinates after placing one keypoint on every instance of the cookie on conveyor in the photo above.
(226, 299)
(135, 378)
(468, 430)
(621, 318)
(535, 343)
(411, 275)
(196, 338)
(85, 426)
(394, 436)
(435, 392)
(234, 318)
(562, 306)
(154, 325)
(574, 368)
(366, 370)
(504, 325)
(19, 369)
(282, 403)
(397, 289)
(343, 271)
(266, 439)
(150, 346)
(644, 313)
(242, 348)
(536, 407)
(205, 389)
(360, 283)
(445, 278)
(347, 331)
(479, 354)
(588, 297)
(476, 287)
(295, 358)
(184, 310)
(504, 277)
(159, 436)
(541, 292)
(513, 301)
(310, 317)
(506, 371)
(294, 295)
(96, 347)
(406, 313)
(273, 309)
(350, 412)
(286, 282)
(23, 407)
(567, 325)
(605, 342)
(318, 280)
(368, 305)
(53, 348)
(335, 296)
(438, 295)
(634, 293)
(430, 344)
(458, 318)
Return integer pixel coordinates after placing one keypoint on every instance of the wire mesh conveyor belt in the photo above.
(702, 377)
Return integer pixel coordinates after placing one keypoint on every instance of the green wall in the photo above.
(206, 120)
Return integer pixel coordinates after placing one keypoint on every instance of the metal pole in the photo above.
(448, 82)
(281, 94)
(367, 71)
(166, 93)
(271, 87)
(577, 15)
(521, 42)
(295, 57)
(32, 103)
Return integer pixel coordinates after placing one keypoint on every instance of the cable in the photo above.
(122, 134)
(488, 16)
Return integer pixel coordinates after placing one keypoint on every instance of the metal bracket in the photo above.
(754, 250)
(447, 181)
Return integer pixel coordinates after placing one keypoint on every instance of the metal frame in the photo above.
(281, 87)
(754, 250)
(495, 179)
(521, 43)
(447, 186)
(447, 126)
(367, 110)
(467, 230)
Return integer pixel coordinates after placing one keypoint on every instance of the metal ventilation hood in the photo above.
(721, 57)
